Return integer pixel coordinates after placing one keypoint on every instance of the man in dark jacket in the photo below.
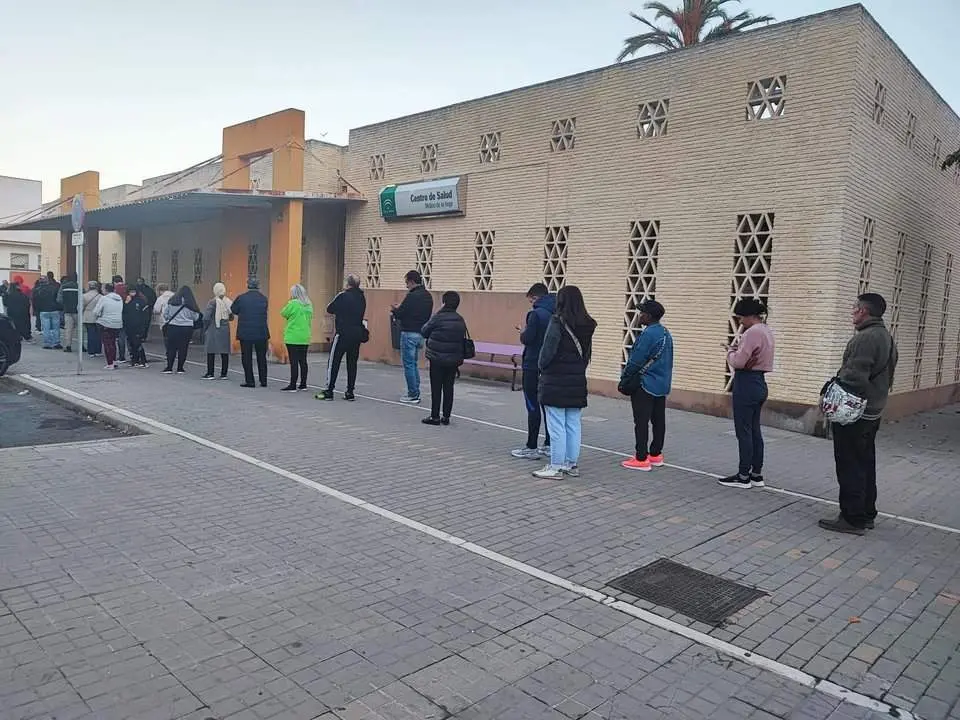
(250, 309)
(348, 309)
(149, 296)
(531, 336)
(412, 314)
(68, 298)
(46, 308)
(869, 363)
(18, 310)
(136, 319)
(444, 333)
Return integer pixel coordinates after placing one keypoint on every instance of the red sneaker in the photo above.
(655, 460)
(634, 464)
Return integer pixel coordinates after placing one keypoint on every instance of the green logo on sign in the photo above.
(388, 202)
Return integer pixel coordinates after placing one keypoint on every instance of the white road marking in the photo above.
(617, 453)
(746, 656)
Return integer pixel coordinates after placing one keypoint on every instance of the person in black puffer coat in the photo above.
(564, 357)
(444, 333)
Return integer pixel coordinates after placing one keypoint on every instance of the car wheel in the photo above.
(4, 356)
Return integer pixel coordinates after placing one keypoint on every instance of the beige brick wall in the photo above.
(710, 166)
(897, 185)
(321, 163)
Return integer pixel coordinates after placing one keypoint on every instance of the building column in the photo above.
(286, 239)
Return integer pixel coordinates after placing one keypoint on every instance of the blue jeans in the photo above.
(94, 344)
(564, 427)
(749, 395)
(410, 344)
(50, 327)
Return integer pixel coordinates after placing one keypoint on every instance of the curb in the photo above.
(107, 417)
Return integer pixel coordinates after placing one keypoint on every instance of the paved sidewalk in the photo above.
(876, 614)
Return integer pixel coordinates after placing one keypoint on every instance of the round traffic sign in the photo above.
(77, 212)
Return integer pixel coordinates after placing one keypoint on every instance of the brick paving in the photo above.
(158, 578)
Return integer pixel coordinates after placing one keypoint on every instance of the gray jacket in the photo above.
(216, 340)
(869, 363)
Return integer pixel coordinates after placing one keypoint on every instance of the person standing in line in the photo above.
(68, 298)
(91, 298)
(566, 352)
(869, 363)
(650, 370)
(412, 314)
(531, 336)
(348, 309)
(136, 319)
(298, 313)
(180, 318)
(750, 358)
(18, 310)
(216, 331)
(163, 299)
(46, 308)
(250, 309)
(445, 333)
(109, 316)
(151, 298)
(120, 288)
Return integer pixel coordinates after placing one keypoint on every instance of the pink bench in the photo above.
(493, 350)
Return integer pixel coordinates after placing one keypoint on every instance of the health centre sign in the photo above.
(431, 197)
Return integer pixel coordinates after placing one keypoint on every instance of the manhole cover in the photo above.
(696, 594)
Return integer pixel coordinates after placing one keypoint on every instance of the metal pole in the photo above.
(79, 310)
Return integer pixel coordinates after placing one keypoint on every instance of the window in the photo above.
(866, 256)
(425, 258)
(153, 268)
(643, 249)
(555, 257)
(376, 166)
(253, 260)
(922, 320)
(99, 266)
(652, 118)
(752, 258)
(114, 263)
(174, 270)
(19, 261)
(911, 135)
(898, 284)
(563, 134)
(937, 152)
(428, 158)
(483, 260)
(197, 266)
(373, 261)
(766, 98)
(490, 147)
(944, 314)
(879, 102)
(39, 261)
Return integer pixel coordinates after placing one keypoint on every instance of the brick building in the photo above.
(798, 162)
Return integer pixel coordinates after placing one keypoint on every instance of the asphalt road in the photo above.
(32, 420)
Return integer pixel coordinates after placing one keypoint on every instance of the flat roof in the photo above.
(180, 207)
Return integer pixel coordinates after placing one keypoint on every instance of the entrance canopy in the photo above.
(181, 207)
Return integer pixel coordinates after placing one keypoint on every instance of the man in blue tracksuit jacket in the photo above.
(651, 357)
(532, 338)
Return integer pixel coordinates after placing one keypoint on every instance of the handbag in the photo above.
(364, 332)
(469, 348)
(841, 406)
(631, 384)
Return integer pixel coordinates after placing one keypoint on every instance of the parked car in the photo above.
(9, 344)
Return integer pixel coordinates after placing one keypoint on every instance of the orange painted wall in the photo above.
(88, 183)
(281, 132)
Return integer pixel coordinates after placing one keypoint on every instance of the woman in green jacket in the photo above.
(298, 313)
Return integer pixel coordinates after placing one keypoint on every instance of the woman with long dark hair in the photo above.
(566, 352)
(179, 318)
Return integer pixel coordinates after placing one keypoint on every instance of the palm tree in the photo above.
(953, 159)
(689, 25)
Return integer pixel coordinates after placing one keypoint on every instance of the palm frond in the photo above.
(952, 159)
(737, 23)
(658, 38)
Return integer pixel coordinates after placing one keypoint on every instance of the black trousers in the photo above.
(298, 365)
(855, 453)
(749, 395)
(343, 347)
(648, 411)
(178, 340)
(247, 348)
(535, 412)
(224, 363)
(442, 378)
(137, 354)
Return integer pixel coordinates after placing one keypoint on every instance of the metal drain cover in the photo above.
(698, 595)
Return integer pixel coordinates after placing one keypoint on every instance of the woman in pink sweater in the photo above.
(750, 358)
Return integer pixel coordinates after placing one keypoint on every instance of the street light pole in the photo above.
(77, 215)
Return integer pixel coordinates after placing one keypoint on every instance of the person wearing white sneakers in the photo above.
(647, 378)
(109, 317)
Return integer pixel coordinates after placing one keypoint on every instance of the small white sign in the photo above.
(77, 239)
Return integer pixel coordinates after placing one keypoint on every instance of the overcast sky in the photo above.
(136, 89)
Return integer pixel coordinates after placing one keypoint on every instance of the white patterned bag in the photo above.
(840, 406)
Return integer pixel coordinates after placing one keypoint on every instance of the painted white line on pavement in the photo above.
(617, 453)
(701, 638)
